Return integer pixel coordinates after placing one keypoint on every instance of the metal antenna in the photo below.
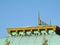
(39, 22)
(50, 21)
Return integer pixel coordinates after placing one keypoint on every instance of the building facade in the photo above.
(43, 34)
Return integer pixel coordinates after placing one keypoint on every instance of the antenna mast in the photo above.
(50, 21)
(39, 22)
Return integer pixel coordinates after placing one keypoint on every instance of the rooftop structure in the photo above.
(42, 28)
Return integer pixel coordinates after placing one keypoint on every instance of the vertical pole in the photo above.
(7, 41)
(39, 22)
(50, 21)
(44, 40)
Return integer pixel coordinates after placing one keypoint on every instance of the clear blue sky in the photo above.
(20, 13)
